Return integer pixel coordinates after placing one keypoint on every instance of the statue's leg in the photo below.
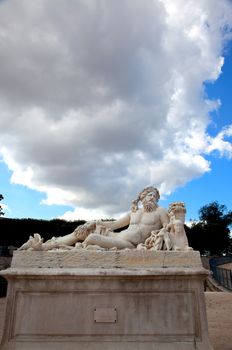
(79, 234)
(167, 241)
(69, 239)
(107, 242)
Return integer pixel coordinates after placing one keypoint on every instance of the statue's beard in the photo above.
(149, 206)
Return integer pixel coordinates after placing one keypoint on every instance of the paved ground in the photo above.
(219, 312)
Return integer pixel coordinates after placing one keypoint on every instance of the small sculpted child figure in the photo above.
(176, 229)
(178, 236)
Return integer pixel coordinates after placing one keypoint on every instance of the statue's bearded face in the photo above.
(150, 201)
(151, 196)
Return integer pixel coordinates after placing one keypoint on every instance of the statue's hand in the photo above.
(101, 229)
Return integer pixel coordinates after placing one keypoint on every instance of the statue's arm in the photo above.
(164, 217)
(114, 225)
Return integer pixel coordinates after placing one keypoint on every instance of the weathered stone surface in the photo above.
(82, 258)
(137, 300)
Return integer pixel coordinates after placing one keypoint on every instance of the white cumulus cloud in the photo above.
(101, 98)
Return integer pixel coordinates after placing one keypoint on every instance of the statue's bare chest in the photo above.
(150, 218)
(146, 218)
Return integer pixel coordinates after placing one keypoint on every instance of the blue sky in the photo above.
(92, 111)
(216, 184)
(23, 202)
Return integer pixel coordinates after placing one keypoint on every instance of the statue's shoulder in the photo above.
(162, 210)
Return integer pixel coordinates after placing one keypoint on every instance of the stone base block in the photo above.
(147, 308)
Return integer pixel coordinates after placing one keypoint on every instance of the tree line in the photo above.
(15, 232)
(210, 234)
(1, 211)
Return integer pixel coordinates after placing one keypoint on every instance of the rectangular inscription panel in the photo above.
(105, 315)
(72, 313)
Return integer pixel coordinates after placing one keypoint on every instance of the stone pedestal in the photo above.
(91, 300)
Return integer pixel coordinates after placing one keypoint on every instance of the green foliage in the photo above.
(17, 231)
(211, 235)
(1, 212)
(215, 213)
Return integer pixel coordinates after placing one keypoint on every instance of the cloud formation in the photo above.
(101, 98)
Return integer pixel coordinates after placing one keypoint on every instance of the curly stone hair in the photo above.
(142, 195)
(147, 190)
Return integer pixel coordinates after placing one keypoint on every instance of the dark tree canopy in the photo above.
(211, 235)
(1, 198)
(17, 231)
(215, 213)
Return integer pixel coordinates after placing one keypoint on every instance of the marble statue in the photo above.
(172, 236)
(143, 276)
(150, 227)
